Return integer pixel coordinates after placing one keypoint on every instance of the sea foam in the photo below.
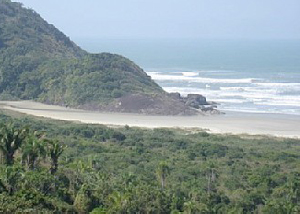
(192, 77)
(232, 93)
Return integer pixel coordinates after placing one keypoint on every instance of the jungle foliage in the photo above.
(133, 170)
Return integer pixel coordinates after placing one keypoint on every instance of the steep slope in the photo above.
(26, 42)
(39, 62)
(95, 78)
(23, 32)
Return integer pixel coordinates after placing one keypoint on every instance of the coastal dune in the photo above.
(280, 125)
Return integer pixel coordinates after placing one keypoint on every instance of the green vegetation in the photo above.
(53, 166)
(132, 170)
(39, 62)
(92, 80)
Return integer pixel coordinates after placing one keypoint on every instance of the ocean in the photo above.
(240, 75)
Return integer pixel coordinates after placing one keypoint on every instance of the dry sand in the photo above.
(231, 122)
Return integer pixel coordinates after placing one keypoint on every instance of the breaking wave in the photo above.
(238, 94)
(194, 77)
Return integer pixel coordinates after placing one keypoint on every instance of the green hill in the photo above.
(39, 62)
(24, 33)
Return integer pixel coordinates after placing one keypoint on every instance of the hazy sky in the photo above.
(230, 19)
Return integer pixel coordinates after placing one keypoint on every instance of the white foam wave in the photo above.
(255, 110)
(228, 100)
(190, 74)
(243, 94)
(185, 90)
(257, 97)
(170, 69)
(247, 110)
(278, 102)
(177, 70)
(185, 78)
(277, 84)
(250, 90)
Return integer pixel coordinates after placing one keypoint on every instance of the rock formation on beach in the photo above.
(197, 101)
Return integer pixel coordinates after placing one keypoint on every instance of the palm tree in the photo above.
(119, 203)
(162, 171)
(83, 200)
(194, 207)
(10, 141)
(10, 178)
(32, 149)
(54, 150)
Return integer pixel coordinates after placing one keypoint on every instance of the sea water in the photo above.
(241, 75)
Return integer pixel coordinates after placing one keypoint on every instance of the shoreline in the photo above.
(279, 125)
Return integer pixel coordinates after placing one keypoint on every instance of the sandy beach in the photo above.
(232, 122)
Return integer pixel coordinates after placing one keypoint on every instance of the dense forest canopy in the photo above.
(133, 170)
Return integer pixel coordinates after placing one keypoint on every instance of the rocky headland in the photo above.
(38, 62)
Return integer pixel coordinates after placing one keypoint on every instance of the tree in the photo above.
(32, 149)
(162, 171)
(82, 201)
(10, 178)
(54, 151)
(10, 141)
(119, 202)
(211, 176)
(194, 207)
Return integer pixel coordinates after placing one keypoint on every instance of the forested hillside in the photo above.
(24, 33)
(55, 166)
(39, 62)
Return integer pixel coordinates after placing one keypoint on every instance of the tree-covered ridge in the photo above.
(92, 79)
(39, 62)
(131, 170)
(24, 33)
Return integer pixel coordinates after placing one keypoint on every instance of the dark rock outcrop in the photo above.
(196, 101)
(175, 95)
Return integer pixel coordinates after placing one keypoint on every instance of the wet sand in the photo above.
(232, 122)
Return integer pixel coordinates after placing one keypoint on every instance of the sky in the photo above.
(211, 19)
